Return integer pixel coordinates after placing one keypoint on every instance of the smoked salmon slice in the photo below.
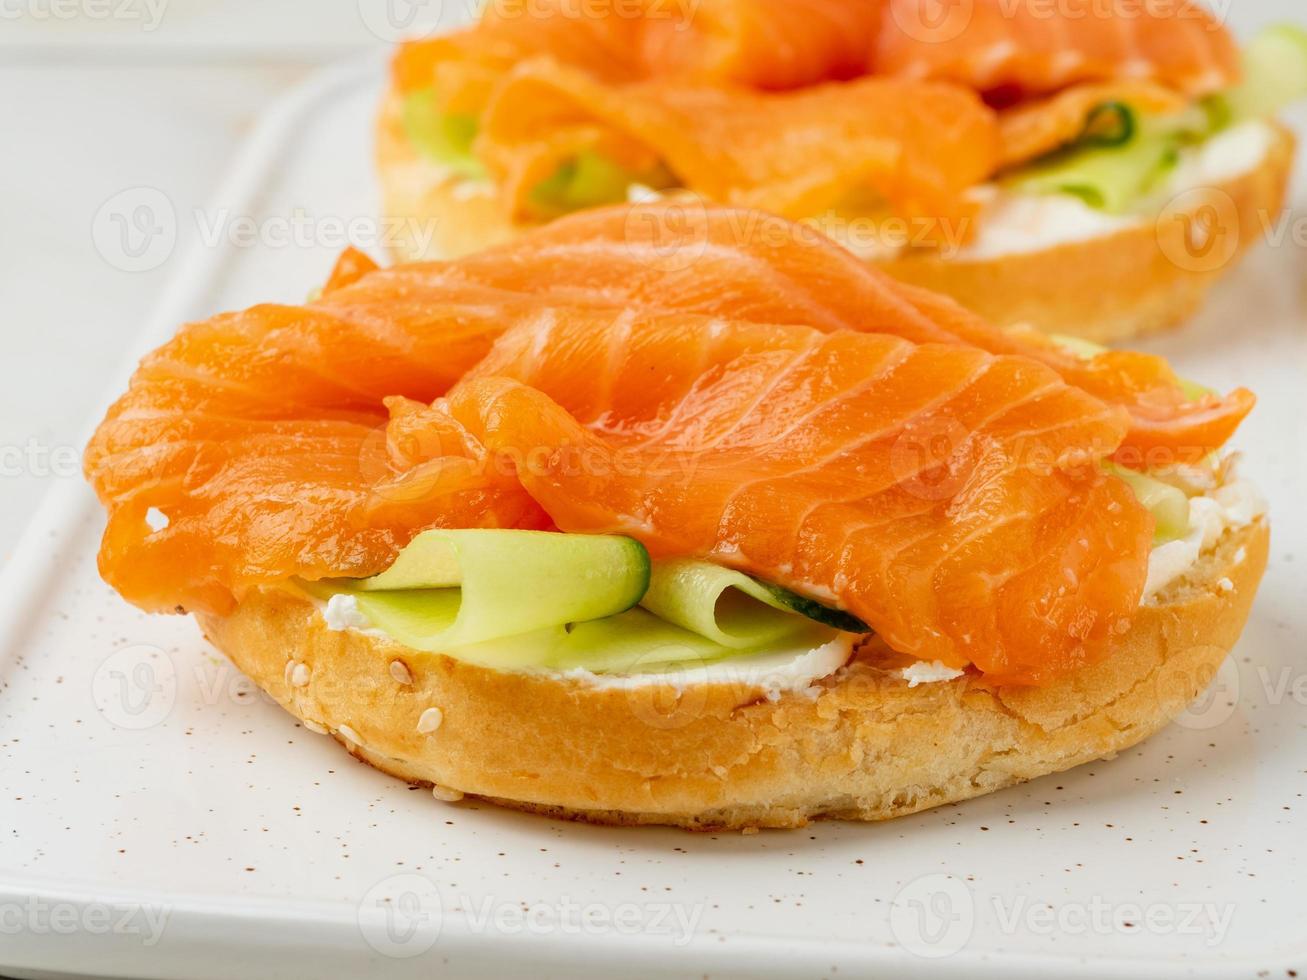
(464, 66)
(752, 102)
(260, 443)
(1013, 49)
(944, 495)
(1037, 128)
(792, 153)
(772, 404)
(761, 44)
(804, 106)
(676, 256)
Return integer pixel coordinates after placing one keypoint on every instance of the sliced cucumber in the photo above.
(1168, 505)
(1112, 179)
(454, 588)
(633, 642)
(816, 611)
(638, 642)
(1194, 391)
(1120, 159)
(1109, 124)
(443, 137)
(1275, 76)
(531, 599)
(1086, 350)
(732, 609)
(589, 180)
(428, 620)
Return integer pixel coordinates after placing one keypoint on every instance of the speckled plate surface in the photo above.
(160, 818)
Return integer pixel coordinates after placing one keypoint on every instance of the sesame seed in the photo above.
(399, 670)
(299, 675)
(749, 831)
(350, 734)
(445, 794)
(314, 726)
(290, 666)
(430, 721)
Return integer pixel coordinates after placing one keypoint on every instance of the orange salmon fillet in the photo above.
(1018, 48)
(465, 66)
(262, 438)
(950, 498)
(799, 106)
(1037, 128)
(792, 153)
(678, 256)
(718, 383)
(692, 88)
(764, 44)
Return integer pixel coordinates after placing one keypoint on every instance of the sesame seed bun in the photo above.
(1145, 278)
(860, 744)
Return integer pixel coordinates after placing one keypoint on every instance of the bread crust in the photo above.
(1139, 280)
(859, 745)
(1136, 281)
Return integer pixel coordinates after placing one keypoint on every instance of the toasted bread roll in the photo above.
(860, 744)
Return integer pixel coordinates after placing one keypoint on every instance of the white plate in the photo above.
(160, 818)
